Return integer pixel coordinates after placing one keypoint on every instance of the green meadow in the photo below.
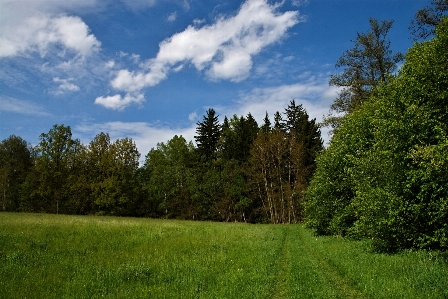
(59, 256)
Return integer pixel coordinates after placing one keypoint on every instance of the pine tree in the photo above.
(266, 127)
(278, 121)
(366, 65)
(427, 19)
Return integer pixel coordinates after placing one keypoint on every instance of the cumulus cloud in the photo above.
(39, 32)
(117, 102)
(110, 64)
(224, 50)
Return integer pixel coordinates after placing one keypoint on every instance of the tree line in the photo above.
(237, 171)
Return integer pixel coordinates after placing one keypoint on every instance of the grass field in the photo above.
(55, 256)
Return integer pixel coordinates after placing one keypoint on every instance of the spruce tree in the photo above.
(266, 127)
(208, 132)
(305, 132)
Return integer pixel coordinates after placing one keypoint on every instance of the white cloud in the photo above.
(65, 85)
(186, 4)
(117, 102)
(198, 22)
(172, 17)
(224, 50)
(39, 32)
(135, 58)
(10, 104)
(193, 116)
(110, 64)
(178, 68)
(300, 2)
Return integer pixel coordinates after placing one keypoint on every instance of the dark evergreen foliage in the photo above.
(208, 133)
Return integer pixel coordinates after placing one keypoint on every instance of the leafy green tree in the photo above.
(169, 177)
(384, 174)
(16, 162)
(427, 19)
(57, 150)
(114, 185)
(366, 66)
(208, 133)
(79, 181)
(330, 193)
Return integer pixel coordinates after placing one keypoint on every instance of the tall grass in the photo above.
(53, 256)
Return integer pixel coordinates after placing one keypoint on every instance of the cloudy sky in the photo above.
(149, 69)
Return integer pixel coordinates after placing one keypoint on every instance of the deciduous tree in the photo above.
(15, 164)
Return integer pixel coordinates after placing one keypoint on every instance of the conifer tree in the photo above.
(427, 19)
(278, 121)
(208, 132)
(266, 127)
(366, 65)
(305, 132)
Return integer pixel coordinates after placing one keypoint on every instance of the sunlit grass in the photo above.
(51, 256)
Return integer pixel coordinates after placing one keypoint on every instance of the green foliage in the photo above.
(15, 163)
(54, 163)
(169, 170)
(384, 174)
(112, 175)
(237, 137)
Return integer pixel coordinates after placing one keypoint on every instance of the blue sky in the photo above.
(149, 69)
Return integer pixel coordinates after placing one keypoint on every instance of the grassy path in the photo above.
(54, 256)
(305, 273)
(342, 286)
(281, 275)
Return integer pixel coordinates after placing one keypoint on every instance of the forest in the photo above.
(237, 171)
(383, 175)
